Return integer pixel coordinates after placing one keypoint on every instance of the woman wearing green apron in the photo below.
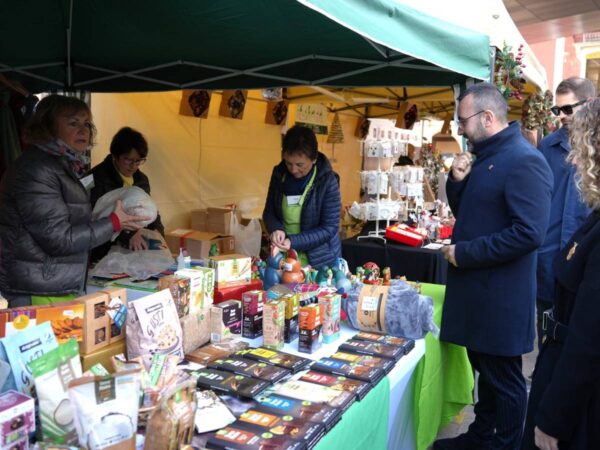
(303, 204)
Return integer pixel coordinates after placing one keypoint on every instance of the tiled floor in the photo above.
(461, 423)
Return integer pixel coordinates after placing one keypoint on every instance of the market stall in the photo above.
(95, 47)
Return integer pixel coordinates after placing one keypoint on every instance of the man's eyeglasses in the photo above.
(133, 162)
(566, 109)
(463, 121)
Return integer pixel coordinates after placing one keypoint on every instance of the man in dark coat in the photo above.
(501, 202)
(568, 211)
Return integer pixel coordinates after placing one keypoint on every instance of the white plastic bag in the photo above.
(135, 202)
(140, 265)
(247, 237)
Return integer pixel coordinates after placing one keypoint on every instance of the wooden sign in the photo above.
(195, 103)
(233, 104)
(276, 112)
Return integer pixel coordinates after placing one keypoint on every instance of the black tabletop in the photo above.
(416, 264)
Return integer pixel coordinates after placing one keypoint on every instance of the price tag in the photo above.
(370, 303)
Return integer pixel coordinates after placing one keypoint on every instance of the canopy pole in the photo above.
(69, 74)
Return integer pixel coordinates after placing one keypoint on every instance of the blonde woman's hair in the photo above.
(584, 135)
(41, 128)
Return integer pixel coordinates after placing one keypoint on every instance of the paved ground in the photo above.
(461, 423)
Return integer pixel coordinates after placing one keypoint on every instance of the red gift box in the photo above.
(405, 235)
(235, 292)
(445, 231)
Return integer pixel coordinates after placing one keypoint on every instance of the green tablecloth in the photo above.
(443, 379)
(364, 427)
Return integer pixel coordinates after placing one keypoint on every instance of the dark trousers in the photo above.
(502, 401)
(540, 307)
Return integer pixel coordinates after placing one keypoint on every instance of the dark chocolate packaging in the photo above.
(373, 349)
(250, 368)
(276, 358)
(338, 382)
(231, 383)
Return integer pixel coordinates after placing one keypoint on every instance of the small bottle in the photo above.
(181, 260)
(187, 260)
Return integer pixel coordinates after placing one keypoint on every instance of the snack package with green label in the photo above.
(106, 410)
(52, 372)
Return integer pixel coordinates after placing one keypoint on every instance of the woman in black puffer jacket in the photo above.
(46, 230)
(303, 204)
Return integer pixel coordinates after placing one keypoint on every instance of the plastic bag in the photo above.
(135, 202)
(140, 265)
(247, 237)
(407, 313)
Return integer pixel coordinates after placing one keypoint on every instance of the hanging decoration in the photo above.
(410, 117)
(276, 112)
(432, 165)
(362, 128)
(195, 103)
(272, 94)
(537, 114)
(509, 77)
(233, 104)
(336, 134)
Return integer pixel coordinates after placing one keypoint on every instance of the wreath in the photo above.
(509, 72)
(536, 113)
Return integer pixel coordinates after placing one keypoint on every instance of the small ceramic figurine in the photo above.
(387, 276)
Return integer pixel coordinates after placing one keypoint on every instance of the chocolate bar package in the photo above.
(384, 364)
(378, 349)
(303, 409)
(288, 426)
(303, 390)
(337, 382)
(232, 438)
(276, 358)
(406, 344)
(220, 380)
(250, 368)
(351, 370)
(252, 325)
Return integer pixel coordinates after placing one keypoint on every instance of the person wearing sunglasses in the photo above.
(121, 168)
(568, 211)
(501, 201)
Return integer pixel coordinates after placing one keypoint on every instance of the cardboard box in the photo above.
(236, 292)
(252, 325)
(231, 270)
(199, 244)
(101, 309)
(309, 341)
(195, 330)
(65, 318)
(225, 321)
(179, 286)
(214, 220)
(253, 301)
(103, 356)
(17, 419)
(273, 324)
(332, 304)
(202, 285)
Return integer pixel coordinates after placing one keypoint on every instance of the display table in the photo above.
(443, 379)
(424, 391)
(396, 417)
(416, 264)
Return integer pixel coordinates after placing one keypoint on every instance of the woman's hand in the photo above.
(545, 441)
(285, 245)
(127, 221)
(277, 237)
(137, 242)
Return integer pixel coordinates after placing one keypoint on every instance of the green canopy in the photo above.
(153, 45)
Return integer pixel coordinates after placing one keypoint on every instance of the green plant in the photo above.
(509, 72)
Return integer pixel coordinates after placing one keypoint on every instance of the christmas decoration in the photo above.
(509, 72)
(432, 165)
(336, 135)
(537, 115)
